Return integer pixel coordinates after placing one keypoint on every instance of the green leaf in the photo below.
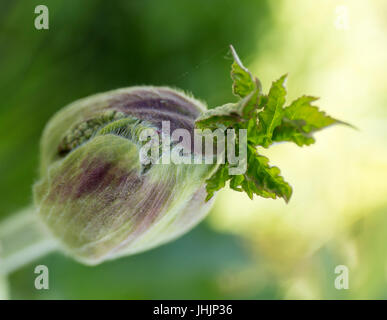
(231, 114)
(224, 116)
(249, 105)
(260, 179)
(266, 121)
(291, 130)
(301, 119)
(302, 109)
(271, 115)
(243, 81)
(264, 180)
(217, 181)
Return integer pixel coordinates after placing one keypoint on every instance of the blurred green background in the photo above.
(261, 249)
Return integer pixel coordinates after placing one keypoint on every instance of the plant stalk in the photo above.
(22, 240)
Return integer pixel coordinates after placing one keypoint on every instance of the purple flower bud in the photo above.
(94, 194)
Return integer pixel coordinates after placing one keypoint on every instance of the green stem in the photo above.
(22, 240)
(4, 291)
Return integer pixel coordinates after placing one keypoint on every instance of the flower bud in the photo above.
(94, 194)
